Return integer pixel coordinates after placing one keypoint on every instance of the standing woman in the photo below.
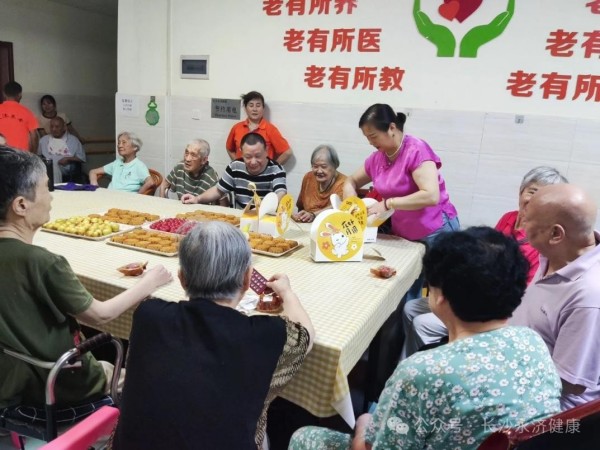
(405, 172)
(278, 148)
(49, 112)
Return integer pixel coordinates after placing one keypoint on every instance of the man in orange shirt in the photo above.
(278, 148)
(17, 123)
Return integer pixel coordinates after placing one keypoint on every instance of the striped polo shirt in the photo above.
(183, 182)
(236, 179)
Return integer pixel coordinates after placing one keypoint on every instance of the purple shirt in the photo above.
(564, 308)
(395, 180)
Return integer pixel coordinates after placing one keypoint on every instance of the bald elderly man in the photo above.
(562, 303)
(64, 149)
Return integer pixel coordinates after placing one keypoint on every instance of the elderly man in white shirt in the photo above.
(64, 149)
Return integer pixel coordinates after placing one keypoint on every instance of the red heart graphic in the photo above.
(467, 7)
(450, 9)
(459, 9)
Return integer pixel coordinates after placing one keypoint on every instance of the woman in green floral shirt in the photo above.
(488, 376)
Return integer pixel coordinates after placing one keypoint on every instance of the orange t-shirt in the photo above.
(16, 122)
(311, 200)
(276, 143)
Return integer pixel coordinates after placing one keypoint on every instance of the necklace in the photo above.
(328, 186)
(390, 157)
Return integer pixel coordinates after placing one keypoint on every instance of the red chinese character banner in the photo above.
(481, 55)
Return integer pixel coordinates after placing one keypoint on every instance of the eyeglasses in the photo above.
(192, 156)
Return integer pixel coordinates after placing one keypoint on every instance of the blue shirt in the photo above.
(127, 177)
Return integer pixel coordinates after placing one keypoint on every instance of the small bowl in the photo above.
(133, 269)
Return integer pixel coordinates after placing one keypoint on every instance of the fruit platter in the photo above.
(172, 225)
(91, 228)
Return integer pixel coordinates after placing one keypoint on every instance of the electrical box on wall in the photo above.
(194, 66)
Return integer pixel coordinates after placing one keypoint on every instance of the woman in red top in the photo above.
(278, 148)
(511, 224)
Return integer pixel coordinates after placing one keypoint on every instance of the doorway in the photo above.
(7, 72)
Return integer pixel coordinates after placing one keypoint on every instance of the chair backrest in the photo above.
(83, 435)
(575, 429)
(157, 180)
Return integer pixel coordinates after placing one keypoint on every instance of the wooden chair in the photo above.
(575, 429)
(157, 180)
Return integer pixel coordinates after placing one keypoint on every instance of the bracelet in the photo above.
(385, 205)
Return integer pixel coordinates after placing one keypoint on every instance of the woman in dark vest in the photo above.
(199, 372)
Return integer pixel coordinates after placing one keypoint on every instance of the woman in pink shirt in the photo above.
(405, 172)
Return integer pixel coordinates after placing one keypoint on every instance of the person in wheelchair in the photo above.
(201, 374)
(42, 299)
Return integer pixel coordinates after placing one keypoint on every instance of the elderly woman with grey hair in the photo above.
(200, 373)
(128, 172)
(421, 326)
(318, 184)
(43, 301)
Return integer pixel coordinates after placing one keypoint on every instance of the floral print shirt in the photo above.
(454, 396)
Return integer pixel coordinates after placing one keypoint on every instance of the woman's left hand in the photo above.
(378, 208)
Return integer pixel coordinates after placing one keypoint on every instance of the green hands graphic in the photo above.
(483, 34)
(439, 35)
(444, 40)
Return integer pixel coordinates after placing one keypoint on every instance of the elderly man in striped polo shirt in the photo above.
(253, 167)
(193, 175)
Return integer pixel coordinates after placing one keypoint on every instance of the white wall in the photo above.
(246, 49)
(460, 105)
(66, 52)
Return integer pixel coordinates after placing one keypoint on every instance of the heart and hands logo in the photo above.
(460, 10)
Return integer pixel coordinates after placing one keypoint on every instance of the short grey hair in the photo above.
(332, 156)
(542, 175)
(214, 257)
(20, 174)
(135, 140)
(202, 144)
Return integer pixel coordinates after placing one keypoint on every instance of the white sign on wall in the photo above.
(128, 105)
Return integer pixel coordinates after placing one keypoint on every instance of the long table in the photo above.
(347, 305)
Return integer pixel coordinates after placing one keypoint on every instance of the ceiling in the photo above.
(105, 7)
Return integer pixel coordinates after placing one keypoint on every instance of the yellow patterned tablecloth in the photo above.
(345, 302)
